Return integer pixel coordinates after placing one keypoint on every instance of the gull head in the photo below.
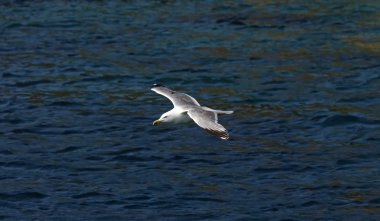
(166, 117)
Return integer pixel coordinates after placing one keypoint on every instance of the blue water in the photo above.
(76, 111)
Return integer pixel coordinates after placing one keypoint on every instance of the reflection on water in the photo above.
(76, 110)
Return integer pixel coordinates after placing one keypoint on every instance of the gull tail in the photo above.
(218, 111)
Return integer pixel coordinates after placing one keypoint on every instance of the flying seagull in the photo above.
(187, 108)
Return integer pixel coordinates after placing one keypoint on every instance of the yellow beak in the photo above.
(156, 122)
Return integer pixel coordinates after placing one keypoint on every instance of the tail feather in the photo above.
(224, 112)
(218, 111)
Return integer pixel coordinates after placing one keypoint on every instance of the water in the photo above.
(76, 140)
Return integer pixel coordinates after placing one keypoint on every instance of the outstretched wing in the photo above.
(208, 120)
(178, 99)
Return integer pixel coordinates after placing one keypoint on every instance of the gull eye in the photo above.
(166, 117)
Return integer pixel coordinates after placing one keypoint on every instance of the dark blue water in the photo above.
(76, 140)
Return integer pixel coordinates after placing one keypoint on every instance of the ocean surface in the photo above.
(76, 110)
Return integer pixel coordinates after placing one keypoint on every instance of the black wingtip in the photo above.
(156, 85)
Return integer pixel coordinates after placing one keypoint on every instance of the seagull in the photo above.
(186, 108)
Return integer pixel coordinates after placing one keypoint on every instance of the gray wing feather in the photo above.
(178, 99)
(208, 120)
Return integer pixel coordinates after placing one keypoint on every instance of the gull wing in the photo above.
(178, 99)
(208, 120)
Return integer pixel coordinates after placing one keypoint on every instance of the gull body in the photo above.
(175, 115)
(186, 108)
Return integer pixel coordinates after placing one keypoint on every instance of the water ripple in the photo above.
(76, 134)
(22, 196)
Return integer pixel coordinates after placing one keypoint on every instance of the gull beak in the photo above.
(156, 122)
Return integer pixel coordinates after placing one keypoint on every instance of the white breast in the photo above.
(182, 118)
